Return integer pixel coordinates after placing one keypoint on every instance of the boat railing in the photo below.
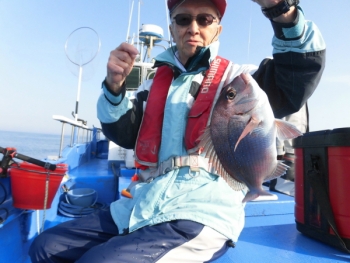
(80, 132)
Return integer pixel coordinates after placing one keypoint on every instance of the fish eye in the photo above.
(231, 94)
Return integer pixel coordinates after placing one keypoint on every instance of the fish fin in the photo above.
(280, 170)
(205, 138)
(216, 163)
(251, 195)
(210, 153)
(233, 183)
(206, 145)
(204, 141)
(252, 124)
(286, 130)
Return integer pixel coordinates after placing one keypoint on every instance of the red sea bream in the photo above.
(241, 139)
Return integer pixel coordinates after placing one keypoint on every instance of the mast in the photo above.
(130, 16)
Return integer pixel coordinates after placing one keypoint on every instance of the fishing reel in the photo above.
(7, 159)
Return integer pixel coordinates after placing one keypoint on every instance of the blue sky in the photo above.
(37, 80)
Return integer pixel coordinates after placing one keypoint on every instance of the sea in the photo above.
(35, 145)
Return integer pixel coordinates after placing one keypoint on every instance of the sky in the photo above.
(37, 80)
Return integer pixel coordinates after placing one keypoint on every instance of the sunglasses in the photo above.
(201, 19)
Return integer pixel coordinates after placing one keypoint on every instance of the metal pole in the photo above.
(78, 93)
(72, 136)
(61, 142)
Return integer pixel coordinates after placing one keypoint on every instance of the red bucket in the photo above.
(28, 185)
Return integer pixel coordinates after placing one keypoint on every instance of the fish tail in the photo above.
(253, 194)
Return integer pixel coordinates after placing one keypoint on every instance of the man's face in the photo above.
(189, 37)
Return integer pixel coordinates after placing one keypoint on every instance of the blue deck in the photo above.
(269, 235)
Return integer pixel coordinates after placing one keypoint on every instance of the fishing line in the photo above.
(249, 32)
(130, 15)
(217, 31)
(173, 50)
(167, 20)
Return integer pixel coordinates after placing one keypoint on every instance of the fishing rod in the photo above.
(9, 153)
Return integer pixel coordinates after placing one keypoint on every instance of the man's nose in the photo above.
(193, 27)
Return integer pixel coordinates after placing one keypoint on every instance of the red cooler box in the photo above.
(322, 186)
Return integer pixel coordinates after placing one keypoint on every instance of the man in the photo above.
(180, 211)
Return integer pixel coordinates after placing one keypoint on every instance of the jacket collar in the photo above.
(198, 63)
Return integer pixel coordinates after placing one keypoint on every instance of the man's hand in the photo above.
(266, 3)
(285, 18)
(120, 63)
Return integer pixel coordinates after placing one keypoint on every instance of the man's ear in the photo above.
(171, 33)
(219, 30)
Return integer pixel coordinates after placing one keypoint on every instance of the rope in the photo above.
(69, 210)
(40, 230)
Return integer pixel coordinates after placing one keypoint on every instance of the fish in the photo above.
(240, 140)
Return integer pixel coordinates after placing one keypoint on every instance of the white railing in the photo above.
(77, 127)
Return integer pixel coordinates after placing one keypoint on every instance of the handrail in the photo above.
(75, 124)
(67, 120)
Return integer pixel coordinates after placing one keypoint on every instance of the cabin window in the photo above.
(150, 74)
(133, 80)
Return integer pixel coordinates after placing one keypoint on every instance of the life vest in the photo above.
(149, 137)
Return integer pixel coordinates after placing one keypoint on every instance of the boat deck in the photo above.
(269, 235)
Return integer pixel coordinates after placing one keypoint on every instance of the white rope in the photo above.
(41, 229)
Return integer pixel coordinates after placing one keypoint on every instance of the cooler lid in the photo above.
(324, 138)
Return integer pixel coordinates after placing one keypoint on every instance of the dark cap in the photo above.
(220, 5)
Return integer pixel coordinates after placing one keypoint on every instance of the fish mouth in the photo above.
(246, 101)
(245, 78)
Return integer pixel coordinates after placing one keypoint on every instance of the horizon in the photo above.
(37, 80)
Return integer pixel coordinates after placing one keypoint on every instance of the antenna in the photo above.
(130, 16)
(138, 23)
(147, 35)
